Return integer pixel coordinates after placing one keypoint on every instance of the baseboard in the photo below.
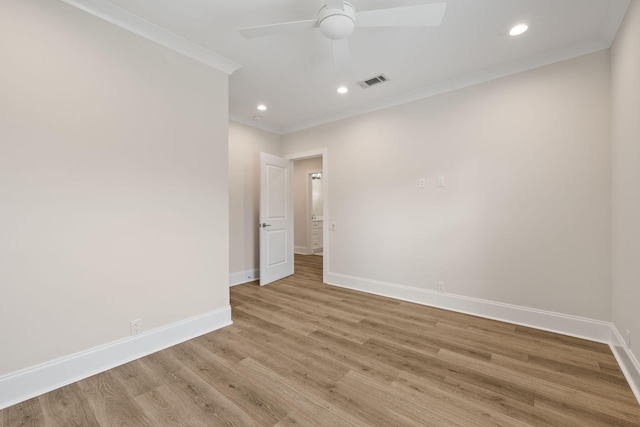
(627, 361)
(302, 250)
(31, 382)
(580, 327)
(244, 276)
(594, 330)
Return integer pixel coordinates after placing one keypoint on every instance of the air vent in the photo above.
(373, 81)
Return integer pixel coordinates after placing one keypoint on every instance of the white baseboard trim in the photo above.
(25, 384)
(627, 361)
(302, 250)
(580, 327)
(244, 277)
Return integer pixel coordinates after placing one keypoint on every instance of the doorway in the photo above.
(311, 228)
(307, 175)
(314, 212)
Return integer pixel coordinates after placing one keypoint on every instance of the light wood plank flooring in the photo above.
(308, 354)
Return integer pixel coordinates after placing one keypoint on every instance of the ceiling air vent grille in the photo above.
(373, 81)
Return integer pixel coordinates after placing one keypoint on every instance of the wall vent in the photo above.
(364, 84)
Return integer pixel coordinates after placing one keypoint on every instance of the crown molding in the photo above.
(560, 54)
(255, 124)
(612, 20)
(117, 16)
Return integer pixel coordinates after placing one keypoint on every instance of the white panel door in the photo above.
(276, 218)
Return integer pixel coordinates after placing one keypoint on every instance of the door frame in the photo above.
(324, 153)
(309, 208)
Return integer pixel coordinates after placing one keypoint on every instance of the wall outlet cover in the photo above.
(135, 326)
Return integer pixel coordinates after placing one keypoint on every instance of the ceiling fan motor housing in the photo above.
(337, 24)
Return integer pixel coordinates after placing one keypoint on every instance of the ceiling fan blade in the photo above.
(335, 4)
(341, 60)
(424, 15)
(283, 27)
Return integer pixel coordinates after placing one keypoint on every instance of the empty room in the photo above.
(320, 213)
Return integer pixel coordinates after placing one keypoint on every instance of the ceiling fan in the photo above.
(337, 20)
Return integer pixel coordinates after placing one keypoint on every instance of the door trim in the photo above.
(309, 209)
(324, 153)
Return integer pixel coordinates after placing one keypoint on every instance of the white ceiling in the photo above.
(293, 73)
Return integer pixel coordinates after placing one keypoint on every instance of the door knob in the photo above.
(263, 225)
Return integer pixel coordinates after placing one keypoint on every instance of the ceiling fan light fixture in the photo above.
(518, 29)
(337, 24)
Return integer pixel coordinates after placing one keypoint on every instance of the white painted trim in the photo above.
(580, 327)
(305, 155)
(308, 222)
(124, 19)
(246, 276)
(302, 250)
(326, 177)
(627, 361)
(594, 330)
(477, 77)
(25, 384)
(611, 21)
(238, 118)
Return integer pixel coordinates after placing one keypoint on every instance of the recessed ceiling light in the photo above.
(518, 29)
(343, 90)
(262, 107)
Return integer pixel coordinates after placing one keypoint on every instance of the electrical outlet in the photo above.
(332, 226)
(628, 337)
(441, 287)
(422, 183)
(135, 326)
(441, 181)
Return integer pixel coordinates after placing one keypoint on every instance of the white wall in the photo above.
(625, 131)
(300, 200)
(113, 184)
(245, 145)
(524, 217)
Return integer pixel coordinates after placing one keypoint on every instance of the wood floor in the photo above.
(303, 353)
